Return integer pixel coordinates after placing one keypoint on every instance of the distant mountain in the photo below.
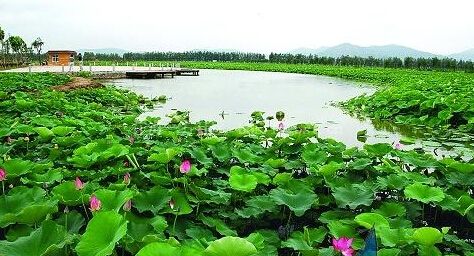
(383, 51)
(465, 55)
(104, 51)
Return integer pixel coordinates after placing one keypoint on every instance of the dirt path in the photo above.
(77, 83)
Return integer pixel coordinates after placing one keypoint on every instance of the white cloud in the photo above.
(250, 25)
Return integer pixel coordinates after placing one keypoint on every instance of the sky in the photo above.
(440, 27)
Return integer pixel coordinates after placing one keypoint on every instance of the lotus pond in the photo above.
(81, 174)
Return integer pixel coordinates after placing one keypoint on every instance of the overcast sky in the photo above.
(249, 25)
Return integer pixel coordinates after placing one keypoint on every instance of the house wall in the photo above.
(63, 59)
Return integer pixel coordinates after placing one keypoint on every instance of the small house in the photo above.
(61, 57)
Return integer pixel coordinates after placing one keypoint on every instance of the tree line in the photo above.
(435, 63)
(15, 51)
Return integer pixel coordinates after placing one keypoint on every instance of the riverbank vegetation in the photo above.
(435, 63)
(82, 175)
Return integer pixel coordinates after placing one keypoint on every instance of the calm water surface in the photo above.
(303, 98)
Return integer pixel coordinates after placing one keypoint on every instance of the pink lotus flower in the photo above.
(126, 178)
(3, 175)
(397, 145)
(78, 184)
(126, 164)
(343, 245)
(281, 126)
(95, 203)
(185, 166)
(127, 206)
(172, 204)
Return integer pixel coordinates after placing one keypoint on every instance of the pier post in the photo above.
(29, 68)
(62, 68)
(113, 68)
(90, 68)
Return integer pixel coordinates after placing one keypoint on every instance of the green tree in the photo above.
(2, 37)
(17, 44)
(38, 44)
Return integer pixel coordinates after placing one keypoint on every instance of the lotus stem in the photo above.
(174, 222)
(3, 191)
(84, 206)
(289, 220)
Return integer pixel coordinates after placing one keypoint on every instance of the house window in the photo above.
(55, 57)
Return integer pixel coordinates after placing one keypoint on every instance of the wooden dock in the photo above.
(187, 72)
(150, 74)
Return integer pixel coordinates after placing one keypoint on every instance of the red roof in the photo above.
(61, 51)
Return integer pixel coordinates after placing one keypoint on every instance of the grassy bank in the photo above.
(83, 176)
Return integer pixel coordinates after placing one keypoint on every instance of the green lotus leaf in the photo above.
(360, 163)
(424, 193)
(213, 140)
(297, 242)
(379, 149)
(427, 236)
(164, 155)
(139, 228)
(62, 130)
(159, 249)
(50, 177)
(49, 239)
(211, 196)
(391, 209)
(221, 151)
(182, 205)
(17, 167)
(330, 169)
(369, 220)
(313, 155)
(113, 200)
(197, 232)
(353, 195)
(44, 133)
(282, 178)
(241, 179)
(257, 205)
(245, 155)
(389, 252)
(154, 200)
(275, 163)
(230, 246)
(98, 151)
(26, 206)
(218, 224)
(340, 228)
(103, 231)
(200, 156)
(73, 220)
(16, 231)
(297, 196)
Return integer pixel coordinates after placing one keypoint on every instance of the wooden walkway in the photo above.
(150, 74)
